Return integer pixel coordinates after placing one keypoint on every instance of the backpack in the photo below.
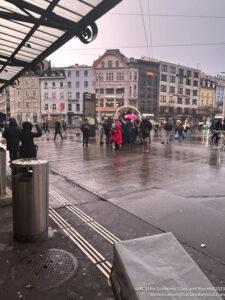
(87, 127)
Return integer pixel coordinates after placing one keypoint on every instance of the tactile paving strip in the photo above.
(44, 270)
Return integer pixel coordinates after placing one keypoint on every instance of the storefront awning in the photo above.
(31, 30)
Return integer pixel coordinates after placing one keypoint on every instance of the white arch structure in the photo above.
(126, 108)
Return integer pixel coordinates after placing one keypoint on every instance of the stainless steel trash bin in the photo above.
(30, 197)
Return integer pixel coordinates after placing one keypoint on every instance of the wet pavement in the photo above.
(177, 187)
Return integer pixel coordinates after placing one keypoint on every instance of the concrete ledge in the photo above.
(7, 198)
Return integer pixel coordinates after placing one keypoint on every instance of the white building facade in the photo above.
(78, 80)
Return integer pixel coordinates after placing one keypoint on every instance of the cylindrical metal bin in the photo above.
(30, 198)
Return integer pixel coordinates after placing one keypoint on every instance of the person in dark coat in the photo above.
(47, 127)
(146, 127)
(107, 127)
(12, 136)
(128, 132)
(28, 149)
(58, 130)
(85, 128)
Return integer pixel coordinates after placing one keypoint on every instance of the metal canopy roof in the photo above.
(33, 29)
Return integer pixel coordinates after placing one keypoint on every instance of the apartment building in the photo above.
(119, 81)
(207, 95)
(52, 90)
(179, 91)
(220, 95)
(4, 103)
(25, 99)
(78, 80)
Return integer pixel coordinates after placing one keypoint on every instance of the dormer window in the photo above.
(117, 64)
(102, 64)
(109, 64)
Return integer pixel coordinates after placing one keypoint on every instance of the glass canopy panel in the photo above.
(69, 15)
(40, 3)
(74, 6)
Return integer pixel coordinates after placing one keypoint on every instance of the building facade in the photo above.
(77, 82)
(119, 81)
(25, 99)
(179, 91)
(53, 99)
(220, 95)
(4, 102)
(113, 82)
(207, 95)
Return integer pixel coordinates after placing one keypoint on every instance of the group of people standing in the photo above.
(20, 141)
(121, 131)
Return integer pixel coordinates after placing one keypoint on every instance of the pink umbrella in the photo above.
(132, 117)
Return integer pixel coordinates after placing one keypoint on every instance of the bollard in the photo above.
(2, 172)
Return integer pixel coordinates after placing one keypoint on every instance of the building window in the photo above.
(109, 76)
(102, 64)
(181, 72)
(179, 110)
(121, 90)
(117, 64)
(164, 68)
(69, 96)
(179, 101)
(53, 106)
(85, 73)
(77, 84)
(188, 73)
(109, 103)
(77, 73)
(53, 95)
(172, 89)
(163, 88)
(194, 101)
(46, 85)
(27, 94)
(109, 91)
(53, 85)
(188, 92)
(180, 91)
(33, 81)
(188, 81)
(61, 95)
(78, 107)
(135, 76)
(99, 77)
(77, 95)
(27, 104)
(162, 98)
(69, 107)
(35, 104)
(195, 83)
(46, 96)
(172, 79)
(195, 93)
(46, 106)
(109, 64)
(69, 84)
(163, 77)
(196, 74)
(34, 93)
(171, 99)
(27, 82)
(135, 90)
(120, 76)
(187, 101)
(180, 80)
(173, 70)
(69, 73)
(130, 76)
(85, 83)
(61, 84)
(155, 81)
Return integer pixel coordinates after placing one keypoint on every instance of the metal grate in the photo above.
(45, 270)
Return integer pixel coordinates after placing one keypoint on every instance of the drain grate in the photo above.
(45, 270)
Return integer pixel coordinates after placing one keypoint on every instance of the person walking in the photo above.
(64, 126)
(168, 132)
(12, 135)
(85, 128)
(101, 130)
(146, 127)
(128, 132)
(58, 130)
(28, 149)
(47, 127)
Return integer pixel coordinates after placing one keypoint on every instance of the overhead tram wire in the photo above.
(169, 15)
(144, 28)
(150, 30)
(154, 46)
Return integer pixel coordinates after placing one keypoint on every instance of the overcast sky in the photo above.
(168, 25)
